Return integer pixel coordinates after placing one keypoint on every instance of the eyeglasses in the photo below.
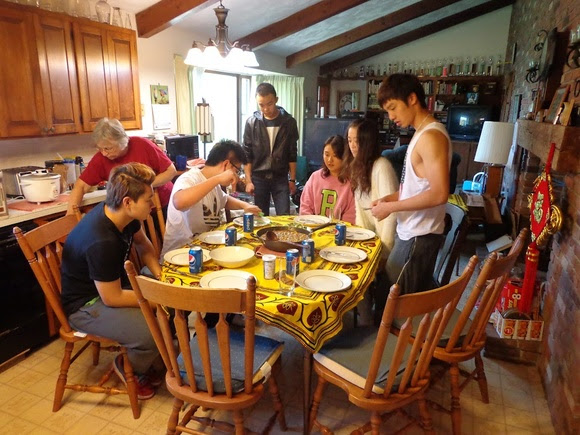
(106, 149)
(238, 169)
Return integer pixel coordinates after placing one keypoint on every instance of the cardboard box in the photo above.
(517, 329)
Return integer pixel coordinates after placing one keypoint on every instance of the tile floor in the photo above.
(517, 400)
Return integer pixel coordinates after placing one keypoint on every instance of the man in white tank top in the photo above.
(420, 202)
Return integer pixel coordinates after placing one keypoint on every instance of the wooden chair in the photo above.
(207, 370)
(464, 337)
(155, 224)
(42, 247)
(456, 226)
(382, 372)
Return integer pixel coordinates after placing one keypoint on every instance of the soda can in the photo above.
(308, 251)
(248, 222)
(231, 236)
(292, 261)
(340, 234)
(269, 266)
(195, 259)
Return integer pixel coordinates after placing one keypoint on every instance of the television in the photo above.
(464, 122)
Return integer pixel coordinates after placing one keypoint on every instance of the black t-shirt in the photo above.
(95, 250)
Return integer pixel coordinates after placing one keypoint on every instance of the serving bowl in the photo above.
(232, 256)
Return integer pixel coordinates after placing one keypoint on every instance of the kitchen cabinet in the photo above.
(108, 77)
(42, 52)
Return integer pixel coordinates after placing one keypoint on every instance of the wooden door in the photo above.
(21, 108)
(58, 74)
(125, 103)
(93, 73)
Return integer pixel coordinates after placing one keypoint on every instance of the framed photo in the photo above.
(348, 101)
(557, 102)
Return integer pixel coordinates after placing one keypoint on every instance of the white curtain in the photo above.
(290, 92)
(183, 96)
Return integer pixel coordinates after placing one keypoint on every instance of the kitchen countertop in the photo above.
(16, 216)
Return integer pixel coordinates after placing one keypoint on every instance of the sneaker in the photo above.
(155, 378)
(144, 388)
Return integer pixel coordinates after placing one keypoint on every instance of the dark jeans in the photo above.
(411, 263)
(277, 188)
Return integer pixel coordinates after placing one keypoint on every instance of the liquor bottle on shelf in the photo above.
(445, 68)
(467, 66)
(474, 66)
(489, 70)
(481, 69)
(498, 66)
(459, 66)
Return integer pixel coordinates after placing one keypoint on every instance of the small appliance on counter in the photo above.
(182, 145)
(11, 179)
(40, 186)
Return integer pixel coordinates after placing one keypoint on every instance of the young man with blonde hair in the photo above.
(95, 294)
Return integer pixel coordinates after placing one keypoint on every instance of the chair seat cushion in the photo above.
(349, 355)
(266, 352)
(397, 323)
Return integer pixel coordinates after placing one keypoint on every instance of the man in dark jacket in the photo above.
(270, 142)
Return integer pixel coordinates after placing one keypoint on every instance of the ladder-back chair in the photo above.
(155, 224)
(219, 368)
(382, 372)
(465, 335)
(42, 247)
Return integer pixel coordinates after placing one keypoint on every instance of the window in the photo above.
(229, 97)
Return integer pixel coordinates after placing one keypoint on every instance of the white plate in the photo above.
(215, 237)
(180, 257)
(359, 234)
(323, 281)
(311, 219)
(226, 278)
(258, 221)
(343, 254)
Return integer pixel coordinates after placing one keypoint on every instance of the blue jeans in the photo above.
(277, 187)
(127, 326)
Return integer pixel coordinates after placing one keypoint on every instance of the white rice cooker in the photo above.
(40, 186)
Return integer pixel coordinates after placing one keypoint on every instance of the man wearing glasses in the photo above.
(197, 199)
(115, 148)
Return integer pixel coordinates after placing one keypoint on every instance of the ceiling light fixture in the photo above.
(220, 51)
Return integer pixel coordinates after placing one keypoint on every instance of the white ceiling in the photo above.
(248, 16)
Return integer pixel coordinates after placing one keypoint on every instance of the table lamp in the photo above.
(493, 149)
(204, 124)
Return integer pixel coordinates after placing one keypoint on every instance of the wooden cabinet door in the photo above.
(125, 103)
(464, 150)
(21, 108)
(58, 74)
(93, 73)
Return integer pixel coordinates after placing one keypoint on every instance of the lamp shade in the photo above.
(495, 143)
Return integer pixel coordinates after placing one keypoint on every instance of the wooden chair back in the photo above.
(434, 309)
(487, 289)
(42, 247)
(199, 300)
(155, 224)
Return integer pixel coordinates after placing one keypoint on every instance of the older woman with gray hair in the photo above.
(115, 148)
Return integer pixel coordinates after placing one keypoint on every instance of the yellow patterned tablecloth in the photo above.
(311, 317)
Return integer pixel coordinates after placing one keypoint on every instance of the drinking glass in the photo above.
(286, 281)
(116, 19)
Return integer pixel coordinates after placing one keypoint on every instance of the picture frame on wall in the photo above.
(348, 101)
(557, 101)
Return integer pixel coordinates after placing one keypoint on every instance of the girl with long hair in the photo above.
(328, 191)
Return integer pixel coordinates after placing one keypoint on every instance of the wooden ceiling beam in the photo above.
(413, 35)
(300, 20)
(166, 13)
(368, 29)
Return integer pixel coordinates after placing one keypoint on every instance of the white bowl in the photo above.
(232, 256)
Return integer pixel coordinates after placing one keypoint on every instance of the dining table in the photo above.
(312, 317)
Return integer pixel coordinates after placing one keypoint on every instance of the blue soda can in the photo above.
(248, 222)
(292, 261)
(195, 259)
(231, 236)
(308, 251)
(340, 234)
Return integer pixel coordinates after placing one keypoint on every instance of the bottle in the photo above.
(481, 70)
(467, 67)
(459, 66)
(79, 166)
(498, 66)
(116, 19)
(103, 11)
(489, 70)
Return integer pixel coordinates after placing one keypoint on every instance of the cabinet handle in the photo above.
(51, 129)
(44, 129)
